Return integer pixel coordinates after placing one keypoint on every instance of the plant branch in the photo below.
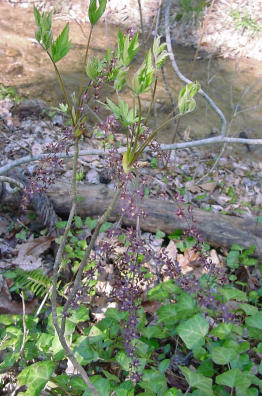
(63, 88)
(186, 80)
(57, 264)
(83, 69)
(82, 266)
(151, 103)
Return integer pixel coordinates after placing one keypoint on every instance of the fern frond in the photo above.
(34, 280)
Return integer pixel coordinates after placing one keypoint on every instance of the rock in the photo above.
(105, 177)
(92, 177)
(12, 52)
(58, 120)
(35, 108)
(15, 69)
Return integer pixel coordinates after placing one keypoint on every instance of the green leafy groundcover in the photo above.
(226, 356)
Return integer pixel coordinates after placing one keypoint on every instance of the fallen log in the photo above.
(217, 230)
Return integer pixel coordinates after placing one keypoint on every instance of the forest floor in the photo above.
(233, 29)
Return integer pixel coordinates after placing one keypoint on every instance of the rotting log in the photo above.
(217, 229)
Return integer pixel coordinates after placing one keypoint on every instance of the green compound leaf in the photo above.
(62, 45)
(94, 68)
(37, 16)
(143, 78)
(233, 378)
(159, 52)
(36, 376)
(94, 12)
(127, 48)
(43, 33)
(193, 331)
(197, 380)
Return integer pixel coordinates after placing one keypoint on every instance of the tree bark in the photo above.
(218, 230)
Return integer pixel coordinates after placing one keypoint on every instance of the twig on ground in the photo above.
(176, 146)
(25, 331)
(10, 180)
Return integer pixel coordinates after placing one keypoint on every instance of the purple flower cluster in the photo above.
(129, 253)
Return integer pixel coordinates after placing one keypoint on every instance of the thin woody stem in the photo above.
(83, 264)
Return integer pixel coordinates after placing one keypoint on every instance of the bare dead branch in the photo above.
(176, 146)
(10, 180)
(186, 80)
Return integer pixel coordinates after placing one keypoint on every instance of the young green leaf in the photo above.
(186, 103)
(143, 78)
(159, 52)
(37, 16)
(62, 45)
(127, 49)
(94, 12)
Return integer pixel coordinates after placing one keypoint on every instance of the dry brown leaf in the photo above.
(151, 306)
(4, 223)
(7, 306)
(29, 252)
(188, 260)
(37, 149)
(214, 258)
(171, 250)
(209, 187)
(192, 187)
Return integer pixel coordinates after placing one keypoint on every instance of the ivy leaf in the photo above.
(231, 293)
(233, 378)
(193, 331)
(222, 331)
(36, 376)
(168, 314)
(197, 380)
(248, 308)
(83, 351)
(222, 355)
(153, 381)
(255, 321)
(62, 45)
(95, 13)
(233, 259)
(153, 332)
